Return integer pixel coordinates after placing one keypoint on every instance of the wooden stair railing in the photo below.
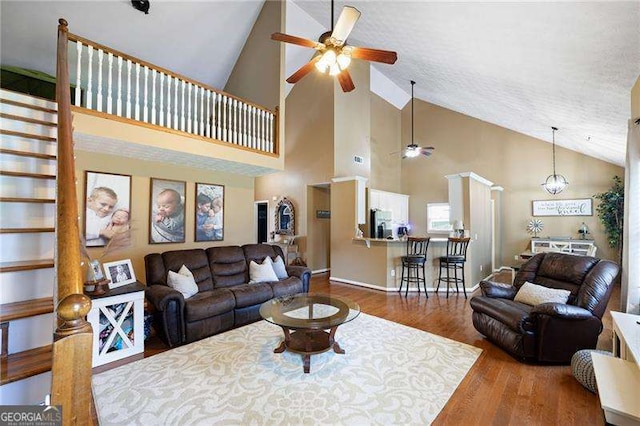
(71, 363)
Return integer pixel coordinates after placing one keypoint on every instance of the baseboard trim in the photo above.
(320, 271)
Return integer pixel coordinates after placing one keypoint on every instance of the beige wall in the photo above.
(308, 150)
(256, 73)
(238, 203)
(514, 161)
(385, 145)
(352, 131)
(318, 230)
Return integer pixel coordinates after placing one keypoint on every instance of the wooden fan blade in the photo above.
(375, 55)
(345, 81)
(297, 40)
(304, 70)
(346, 21)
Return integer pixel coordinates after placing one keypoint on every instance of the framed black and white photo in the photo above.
(576, 207)
(166, 204)
(209, 208)
(107, 207)
(120, 273)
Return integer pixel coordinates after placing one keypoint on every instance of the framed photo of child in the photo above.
(120, 273)
(166, 204)
(209, 220)
(107, 207)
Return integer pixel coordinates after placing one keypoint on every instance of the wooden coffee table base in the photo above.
(309, 342)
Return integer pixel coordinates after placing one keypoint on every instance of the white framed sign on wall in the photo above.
(575, 207)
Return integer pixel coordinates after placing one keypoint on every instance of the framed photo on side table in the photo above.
(209, 220)
(120, 273)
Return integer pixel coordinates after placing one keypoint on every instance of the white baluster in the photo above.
(246, 125)
(182, 117)
(110, 85)
(138, 98)
(153, 96)
(99, 98)
(202, 119)
(168, 99)
(263, 128)
(207, 129)
(251, 126)
(175, 104)
(119, 98)
(189, 108)
(145, 110)
(270, 147)
(79, 74)
(219, 121)
(129, 88)
(225, 124)
(162, 101)
(235, 121)
(89, 82)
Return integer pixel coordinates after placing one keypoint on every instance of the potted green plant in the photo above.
(611, 213)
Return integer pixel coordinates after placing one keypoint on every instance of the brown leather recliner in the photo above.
(549, 332)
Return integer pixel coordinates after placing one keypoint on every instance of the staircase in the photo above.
(27, 239)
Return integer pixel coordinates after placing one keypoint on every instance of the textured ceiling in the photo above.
(523, 66)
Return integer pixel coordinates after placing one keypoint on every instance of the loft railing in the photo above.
(113, 82)
(72, 350)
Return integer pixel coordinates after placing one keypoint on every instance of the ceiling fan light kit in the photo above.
(555, 183)
(334, 56)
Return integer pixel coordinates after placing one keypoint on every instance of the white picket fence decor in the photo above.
(110, 81)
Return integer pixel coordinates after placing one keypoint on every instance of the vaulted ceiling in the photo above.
(523, 66)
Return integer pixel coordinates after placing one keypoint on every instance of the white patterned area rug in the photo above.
(390, 374)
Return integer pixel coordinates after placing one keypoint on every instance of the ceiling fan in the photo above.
(413, 150)
(333, 54)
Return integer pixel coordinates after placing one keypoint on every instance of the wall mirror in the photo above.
(284, 217)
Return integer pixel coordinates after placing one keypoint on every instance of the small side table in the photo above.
(117, 319)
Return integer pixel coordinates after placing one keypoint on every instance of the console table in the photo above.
(290, 251)
(619, 378)
(117, 319)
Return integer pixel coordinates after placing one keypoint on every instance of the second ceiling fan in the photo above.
(334, 55)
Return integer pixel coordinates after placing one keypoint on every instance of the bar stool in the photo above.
(454, 260)
(414, 261)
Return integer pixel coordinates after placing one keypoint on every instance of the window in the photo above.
(438, 218)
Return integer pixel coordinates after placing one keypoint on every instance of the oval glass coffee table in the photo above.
(304, 319)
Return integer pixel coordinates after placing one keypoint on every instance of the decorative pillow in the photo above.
(186, 272)
(259, 273)
(533, 294)
(184, 284)
(279, 268)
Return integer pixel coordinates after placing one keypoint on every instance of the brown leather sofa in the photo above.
(549, 332)
(224, 299)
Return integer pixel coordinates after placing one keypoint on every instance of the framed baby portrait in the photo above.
(166, 207)
(209, 220)
(120, 273)
(107, 202)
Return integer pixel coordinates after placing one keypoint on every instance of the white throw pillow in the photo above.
(279, 268)
(184, 284)
(186, 272)
(259, 273)
(533, 294)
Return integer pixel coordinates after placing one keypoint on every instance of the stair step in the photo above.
(26, 200)
(25, 105)
(27, 154)
(28, 99)
(26, 308)
(27, 135)
(26, 175)
(25, 230)
(25, 364)
(27, 120)
(26, 265)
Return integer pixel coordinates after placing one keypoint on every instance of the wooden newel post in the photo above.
(72, 346)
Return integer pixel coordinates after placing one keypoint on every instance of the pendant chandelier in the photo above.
(555, 183)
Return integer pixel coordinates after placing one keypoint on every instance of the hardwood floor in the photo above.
(499, 390)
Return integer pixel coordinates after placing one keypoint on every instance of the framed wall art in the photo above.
(209, 220)
(120, 273)
(107, 206)
(166, 204)
(575, 207)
